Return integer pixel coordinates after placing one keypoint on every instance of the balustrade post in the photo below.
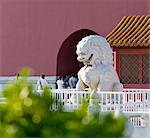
(94, 106)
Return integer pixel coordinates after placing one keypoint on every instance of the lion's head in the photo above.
(93, 50)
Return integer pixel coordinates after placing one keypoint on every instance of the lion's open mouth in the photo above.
(84, 60)
(90, 57)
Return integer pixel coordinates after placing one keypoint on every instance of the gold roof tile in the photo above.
(132, 31)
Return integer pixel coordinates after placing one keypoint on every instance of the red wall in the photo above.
(0, 39)
(32, 31)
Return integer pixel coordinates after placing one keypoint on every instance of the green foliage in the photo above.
(27, 114)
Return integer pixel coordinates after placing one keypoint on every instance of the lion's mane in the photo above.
(100, 46)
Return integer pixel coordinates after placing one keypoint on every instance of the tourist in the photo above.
(17, 76)
(66, 83)
(60, 82)
(73, 81)
(42, 83)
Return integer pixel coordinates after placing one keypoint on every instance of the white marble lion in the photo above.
(98, 72)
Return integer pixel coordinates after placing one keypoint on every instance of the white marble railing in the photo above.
(130, 100)
(133, 103)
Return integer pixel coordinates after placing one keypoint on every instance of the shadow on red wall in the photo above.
(67, 59)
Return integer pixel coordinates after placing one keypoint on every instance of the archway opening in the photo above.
(67, 59)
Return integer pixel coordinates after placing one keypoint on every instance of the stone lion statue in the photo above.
(98, 72)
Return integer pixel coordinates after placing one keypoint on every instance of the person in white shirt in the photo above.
(60, 83)
(41, 83)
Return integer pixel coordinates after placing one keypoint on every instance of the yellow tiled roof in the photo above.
(132, 31)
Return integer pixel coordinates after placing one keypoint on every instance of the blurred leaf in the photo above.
(27, 114)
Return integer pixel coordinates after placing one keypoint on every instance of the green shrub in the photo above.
(27, 114)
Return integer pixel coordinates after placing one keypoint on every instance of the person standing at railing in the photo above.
(66, 83)
(41, 83)
(73, 81)
(60, 83)
(17, 76)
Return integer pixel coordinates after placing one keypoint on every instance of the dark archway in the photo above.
(67, 59)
